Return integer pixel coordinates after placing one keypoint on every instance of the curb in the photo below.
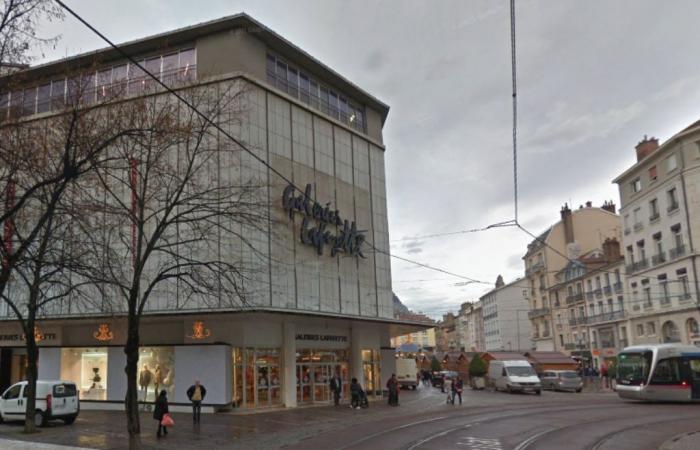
(675, 442)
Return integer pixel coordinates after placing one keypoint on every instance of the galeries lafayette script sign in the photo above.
(322, 225)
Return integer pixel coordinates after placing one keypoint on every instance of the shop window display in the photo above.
(372, 372)
(87, 368)
(156, 372)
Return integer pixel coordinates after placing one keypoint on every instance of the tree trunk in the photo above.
(32, 375)
(131, 349)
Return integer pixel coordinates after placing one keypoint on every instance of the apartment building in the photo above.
(590, 318)
(506, 324)
(660, 197)
(578, 232)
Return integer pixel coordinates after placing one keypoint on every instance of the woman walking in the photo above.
(393, 387)
(160, 411)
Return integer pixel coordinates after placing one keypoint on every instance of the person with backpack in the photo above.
(160, 411)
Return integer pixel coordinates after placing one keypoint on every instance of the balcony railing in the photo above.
(606, 317)
(607, 290)
(589, 295)
(571, 299)
(538, 313)
(618, 287)
(638, 265)
(577, 321)
(598, 292)
(658, 258)
(684, 297)
(569, 346)
(677, 252)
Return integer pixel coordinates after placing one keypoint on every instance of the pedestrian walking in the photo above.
(355, 394)
(336, 387)
(604, 374)
(393, 387)
(196, 394)
(160, 410)
(457, 387)
(447, 387)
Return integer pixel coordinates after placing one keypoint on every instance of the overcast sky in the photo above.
(593, 78)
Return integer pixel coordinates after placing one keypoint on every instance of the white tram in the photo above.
(664, 372)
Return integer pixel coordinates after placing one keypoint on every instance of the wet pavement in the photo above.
(423, 420)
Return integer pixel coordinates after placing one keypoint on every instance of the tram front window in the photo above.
(633, 368)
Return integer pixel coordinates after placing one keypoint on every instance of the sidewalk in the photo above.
(6, 444)
(683, 441)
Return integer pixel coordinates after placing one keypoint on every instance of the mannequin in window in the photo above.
(158, 377)
(145, 378)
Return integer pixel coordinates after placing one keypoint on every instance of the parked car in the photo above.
(514, 376)
(439, 377)
(562, 380)
(406, 372)
(54, 400)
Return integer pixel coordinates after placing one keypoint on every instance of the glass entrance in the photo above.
(315, 368)
(256, 377)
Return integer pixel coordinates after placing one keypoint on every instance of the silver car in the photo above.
(562, 380)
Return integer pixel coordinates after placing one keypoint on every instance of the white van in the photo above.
(514, 376)
(54, 400)
(407, 372)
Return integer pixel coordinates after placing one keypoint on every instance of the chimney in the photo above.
(568, 223)
(646, 147)
(609, 206)
(611, 249)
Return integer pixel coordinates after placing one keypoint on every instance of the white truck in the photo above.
(407, 372)
(55, 399)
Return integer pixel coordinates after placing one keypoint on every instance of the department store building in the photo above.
(310, 313)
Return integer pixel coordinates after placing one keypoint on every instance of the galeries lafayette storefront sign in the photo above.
(322, 225)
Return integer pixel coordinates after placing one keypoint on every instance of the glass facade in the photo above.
(257, 380)
(156, 372)
(87, 368)
(314, 369)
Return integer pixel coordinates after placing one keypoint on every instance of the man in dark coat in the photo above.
(336, 387)
(196, 394)
(159, 411)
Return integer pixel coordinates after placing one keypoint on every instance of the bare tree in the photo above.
(174, 207)
(19, 21)
(40, 162)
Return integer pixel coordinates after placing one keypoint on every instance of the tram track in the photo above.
(486, 420)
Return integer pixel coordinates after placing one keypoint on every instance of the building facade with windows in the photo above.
(589, 310)
(505, 322)
(660, 197)
(578, 232)
(308, 314)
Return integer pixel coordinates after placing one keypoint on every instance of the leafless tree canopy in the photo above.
(18, 28)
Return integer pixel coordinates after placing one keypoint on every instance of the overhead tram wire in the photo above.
(507, 223)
